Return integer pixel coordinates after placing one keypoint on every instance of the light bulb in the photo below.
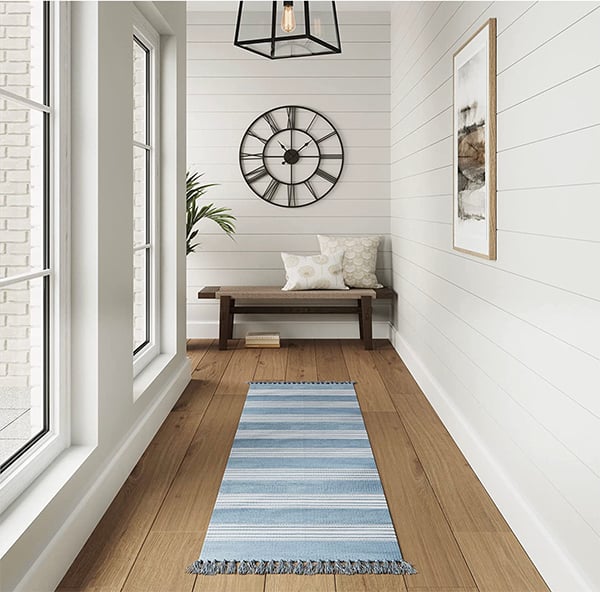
(288, 20)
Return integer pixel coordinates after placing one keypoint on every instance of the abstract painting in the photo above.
(474, 224)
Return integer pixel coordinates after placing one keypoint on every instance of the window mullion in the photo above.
(10, 96)
(16, 279)
(142, 145)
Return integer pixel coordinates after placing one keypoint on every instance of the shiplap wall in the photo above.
(227, 88)
(508, 351)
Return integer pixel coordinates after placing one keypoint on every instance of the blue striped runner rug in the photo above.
(301, 493)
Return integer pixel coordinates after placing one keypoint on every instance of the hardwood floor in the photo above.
(447, 525)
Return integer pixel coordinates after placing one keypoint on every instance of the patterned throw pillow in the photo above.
(360, 258)
(314, 272)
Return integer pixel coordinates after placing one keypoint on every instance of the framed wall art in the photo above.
(474, 213)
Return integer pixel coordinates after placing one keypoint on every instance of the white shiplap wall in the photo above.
(227, 88)
(508, 351)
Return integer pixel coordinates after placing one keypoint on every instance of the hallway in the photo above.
(447, 525)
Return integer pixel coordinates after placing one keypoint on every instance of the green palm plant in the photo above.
(194, 190)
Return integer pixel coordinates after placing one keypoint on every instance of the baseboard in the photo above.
(544, 550)
(290, 329)
(49, 568)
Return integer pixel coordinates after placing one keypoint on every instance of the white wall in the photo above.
(227, 89)
(42, 532)
(508, 350)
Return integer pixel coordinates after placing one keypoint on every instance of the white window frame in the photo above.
(149, 37)
(29, 465)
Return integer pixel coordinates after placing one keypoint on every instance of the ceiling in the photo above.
(341, 5)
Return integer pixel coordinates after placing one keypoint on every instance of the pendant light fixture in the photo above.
(287, 29)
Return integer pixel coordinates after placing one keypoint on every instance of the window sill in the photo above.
(23, 512)
(149, 381)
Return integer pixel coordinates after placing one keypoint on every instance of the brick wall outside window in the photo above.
(139, 195)
(21, 193)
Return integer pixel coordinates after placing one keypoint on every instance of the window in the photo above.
(145, 203)
(31, 413)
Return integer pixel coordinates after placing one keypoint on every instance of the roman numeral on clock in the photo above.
(311, 189)
(271, 190)
(291, 117)
(255, 135)
(268, 117)
(312, 121)
(251, 155)
(256, 174)
(331, 156)
(325, 175)
(325, 137)
(291, 190)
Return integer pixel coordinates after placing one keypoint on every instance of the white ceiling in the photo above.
(341, 5)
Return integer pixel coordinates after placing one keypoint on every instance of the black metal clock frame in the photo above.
(291, 156)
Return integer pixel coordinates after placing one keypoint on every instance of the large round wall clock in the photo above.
(291, 156)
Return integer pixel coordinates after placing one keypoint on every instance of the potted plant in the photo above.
(194, 191)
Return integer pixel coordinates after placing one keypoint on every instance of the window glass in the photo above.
(144, 151)
(25, 200)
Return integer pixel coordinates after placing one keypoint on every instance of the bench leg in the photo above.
(366, 315)
(230, 322)
(360, 318)
(224, 320)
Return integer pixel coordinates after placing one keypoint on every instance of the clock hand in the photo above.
(282, 145)
(304, 146)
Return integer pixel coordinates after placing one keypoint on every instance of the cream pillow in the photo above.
(360, 258)
(314, 272)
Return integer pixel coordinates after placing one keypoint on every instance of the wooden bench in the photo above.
(300, 302)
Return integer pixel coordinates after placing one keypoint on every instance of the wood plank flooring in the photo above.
(447, 525)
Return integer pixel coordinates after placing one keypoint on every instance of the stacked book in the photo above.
(262, 340)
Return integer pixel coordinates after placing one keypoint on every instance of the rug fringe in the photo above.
(303, 568)
(303, 382)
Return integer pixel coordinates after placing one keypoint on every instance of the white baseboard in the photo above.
(290, 329)
(49, 568)
(544, 550)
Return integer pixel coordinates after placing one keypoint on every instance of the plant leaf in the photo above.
(220, 215)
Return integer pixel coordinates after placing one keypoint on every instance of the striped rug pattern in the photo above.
(301, 492)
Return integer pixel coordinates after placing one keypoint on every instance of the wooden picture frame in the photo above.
(474, 144)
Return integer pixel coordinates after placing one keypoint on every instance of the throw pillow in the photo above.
(360, 258)
(314, 272)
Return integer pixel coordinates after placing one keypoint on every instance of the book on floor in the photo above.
(262, 340)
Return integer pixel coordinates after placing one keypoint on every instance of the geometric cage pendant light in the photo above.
(286, 29)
